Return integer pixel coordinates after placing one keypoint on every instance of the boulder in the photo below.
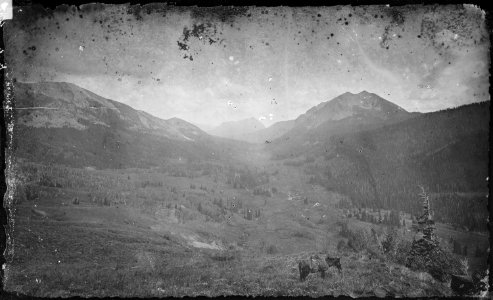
(462, 285)
(380, 292)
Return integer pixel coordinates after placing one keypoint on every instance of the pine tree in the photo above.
(426, 252)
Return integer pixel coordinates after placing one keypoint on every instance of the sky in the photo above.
(212, 65)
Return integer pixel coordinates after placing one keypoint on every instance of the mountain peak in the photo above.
(361, 105)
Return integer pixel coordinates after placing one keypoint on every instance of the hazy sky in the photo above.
(210, 66)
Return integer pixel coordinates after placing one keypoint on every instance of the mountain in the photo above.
(237, 129)
(348, 105)
(444, 151)
(268, 134)
(61, 122)
(343, 114)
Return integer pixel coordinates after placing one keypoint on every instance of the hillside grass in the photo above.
(139, 246)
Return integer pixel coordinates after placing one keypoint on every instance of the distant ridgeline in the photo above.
(445, 151)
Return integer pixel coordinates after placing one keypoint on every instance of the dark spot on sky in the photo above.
(182, 46)
(397, 17)
(350, 15)
(67, 19)
(331, 34)
(419, 36)
(80, 16)
(319, 15)
(347, 23)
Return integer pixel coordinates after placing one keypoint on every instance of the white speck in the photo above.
(230, 103)
(58, 261)
(456, 36)
(231, 58)
(339, 61)
(261, 118)
(200, 37)
(270, 79)
(379, 37)
(81, 48)
(236, 62)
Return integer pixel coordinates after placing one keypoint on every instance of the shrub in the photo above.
(403, 248)
(357, 240)
(389, 244)
(341, 245)
(272, 249)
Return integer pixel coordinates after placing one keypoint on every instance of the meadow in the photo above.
(197, 229)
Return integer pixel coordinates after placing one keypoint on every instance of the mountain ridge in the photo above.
(79, 128)
(236, 129)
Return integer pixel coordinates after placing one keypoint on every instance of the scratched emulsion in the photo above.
(234, 63)
(213, 65)
(10, 177)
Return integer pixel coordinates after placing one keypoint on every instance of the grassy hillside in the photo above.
(164, 232)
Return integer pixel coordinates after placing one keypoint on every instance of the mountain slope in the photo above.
(343, 114)
(268, 134)
(64, 123)
(445, 151)
(348, 105)
(237, 129)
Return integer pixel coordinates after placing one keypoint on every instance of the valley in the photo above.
(113, 202)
